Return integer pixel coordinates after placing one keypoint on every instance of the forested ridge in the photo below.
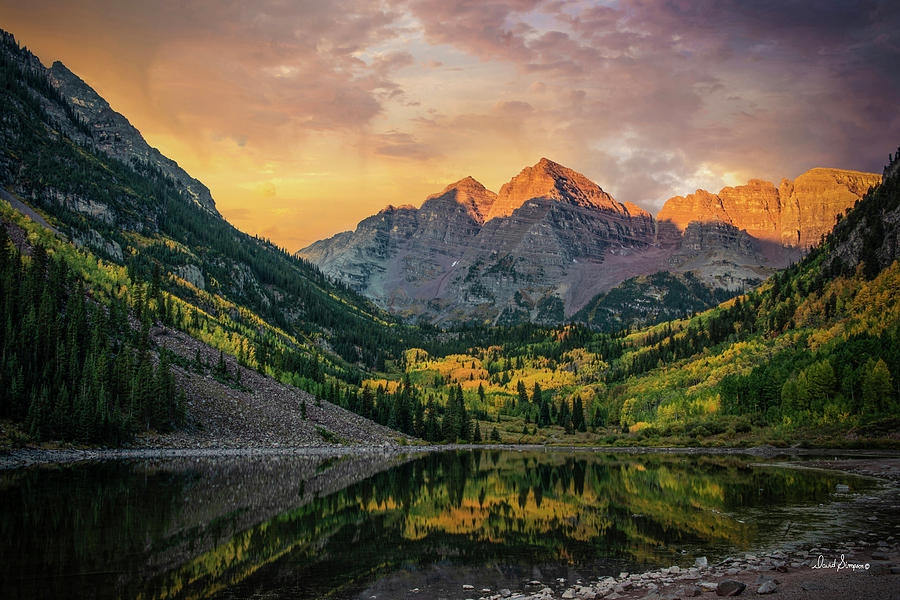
(133, 215)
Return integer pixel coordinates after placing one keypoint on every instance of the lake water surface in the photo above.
(292, 527)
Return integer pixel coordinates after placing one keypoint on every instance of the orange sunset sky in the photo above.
(305, 117)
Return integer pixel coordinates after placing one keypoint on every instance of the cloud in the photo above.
(258, 73)
(650, 98)
(397, 144)
(487, 29)
(763, 89)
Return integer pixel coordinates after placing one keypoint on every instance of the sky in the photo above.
(304, 117)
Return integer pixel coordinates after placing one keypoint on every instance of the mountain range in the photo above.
(552, 245)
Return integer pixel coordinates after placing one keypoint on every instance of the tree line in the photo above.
(72, 369)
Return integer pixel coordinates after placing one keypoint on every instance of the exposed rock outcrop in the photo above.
(817, 198)
(117, 137)
(795, 214)
(548, 179)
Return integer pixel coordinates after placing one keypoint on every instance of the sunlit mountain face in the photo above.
(303, 118)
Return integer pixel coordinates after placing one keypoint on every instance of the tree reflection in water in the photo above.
(309, 527)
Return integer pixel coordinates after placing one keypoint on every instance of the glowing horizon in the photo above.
(304, 118)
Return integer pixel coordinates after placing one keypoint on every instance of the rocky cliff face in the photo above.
(737, 237)
(553, 181)
(795, 214)
(468, 253)
(116, 136)
(552, 240)
(817, 198)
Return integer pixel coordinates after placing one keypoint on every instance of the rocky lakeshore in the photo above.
(863, 569)
(864, 564)
(875, 463)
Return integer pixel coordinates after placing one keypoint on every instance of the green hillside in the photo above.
(650, 299)
(133, 249)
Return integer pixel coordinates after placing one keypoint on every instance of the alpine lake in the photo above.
(384, 526)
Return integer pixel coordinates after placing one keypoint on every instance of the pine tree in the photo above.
(432, 428)
(578, 421)
(464, 423)
(544, 419)
(536, 395)
(523, 394)
(163, 401)
(367, 408)
(564, 416)
(419, 420)
(221, 367)
(449, 422)
(877, 387)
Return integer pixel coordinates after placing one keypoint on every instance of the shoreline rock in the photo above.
(755, 575)
(845, 460)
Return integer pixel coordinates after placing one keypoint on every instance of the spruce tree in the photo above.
(221, 367)
(578, 415)
(523, 394)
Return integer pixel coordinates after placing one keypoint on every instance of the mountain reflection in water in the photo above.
(380, 525)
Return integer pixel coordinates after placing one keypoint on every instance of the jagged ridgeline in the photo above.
(145, 241)
(553, 246)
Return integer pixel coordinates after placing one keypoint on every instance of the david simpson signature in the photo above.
(839, 565)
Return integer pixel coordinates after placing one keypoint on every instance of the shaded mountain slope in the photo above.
(134, 243)
(529, 256)
(67, 153)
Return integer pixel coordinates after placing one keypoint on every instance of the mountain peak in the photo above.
(391, 208)
(546, 162)
(471, 194)
(117, 137)
(466, 183)
(549, 179)
(73, 86)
